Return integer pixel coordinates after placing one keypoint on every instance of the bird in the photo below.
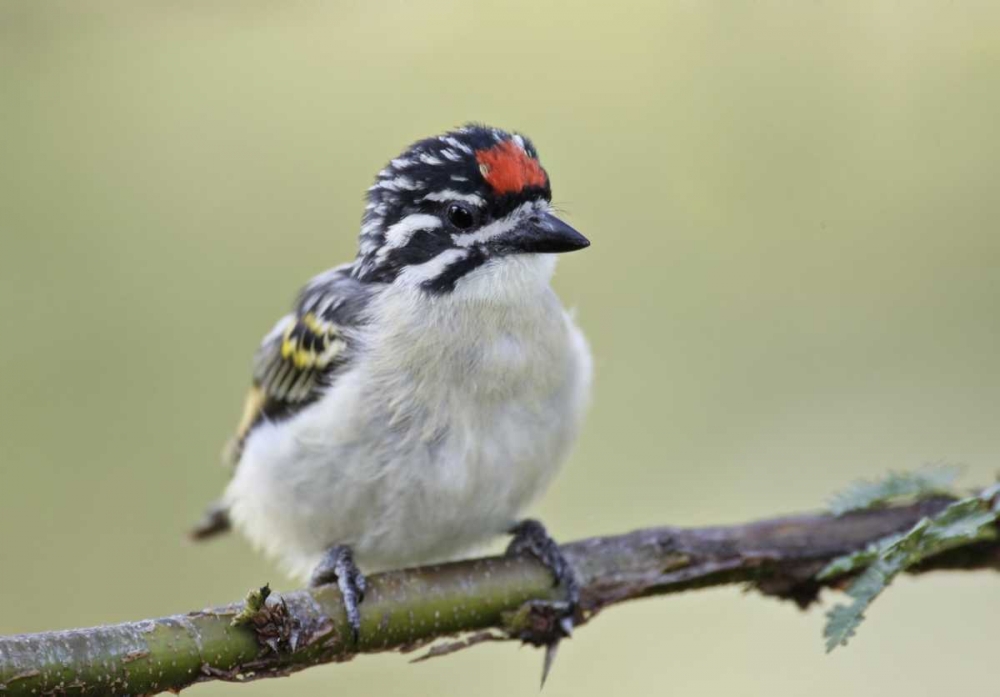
(418, 398)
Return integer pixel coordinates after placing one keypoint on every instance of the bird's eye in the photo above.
(461, 216)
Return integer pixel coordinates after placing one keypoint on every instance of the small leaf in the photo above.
(255, 602)
(991, 496)
(841, 624)
(843, 620)
(968, 520)
(962, 522)
(929, 481)
(857, 560)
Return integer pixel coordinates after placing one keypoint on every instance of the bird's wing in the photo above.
(300, 356)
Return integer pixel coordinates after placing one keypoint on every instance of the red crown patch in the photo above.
(508, 168)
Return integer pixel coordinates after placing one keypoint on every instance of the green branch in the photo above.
(492, 597)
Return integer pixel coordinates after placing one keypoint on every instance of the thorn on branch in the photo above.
(539, 622)
(782, 557)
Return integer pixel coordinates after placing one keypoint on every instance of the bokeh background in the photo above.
(793, 283)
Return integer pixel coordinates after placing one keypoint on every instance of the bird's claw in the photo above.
(337, 566)
(531, 538)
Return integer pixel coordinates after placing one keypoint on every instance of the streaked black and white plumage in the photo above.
(418, 399)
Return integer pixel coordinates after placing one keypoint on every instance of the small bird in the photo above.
(417, 399)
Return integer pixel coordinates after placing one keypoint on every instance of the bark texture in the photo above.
(485, 599)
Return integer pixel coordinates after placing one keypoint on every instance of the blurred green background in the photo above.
(793, 283)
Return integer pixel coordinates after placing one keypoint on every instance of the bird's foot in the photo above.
(337, 566)
(531, 538)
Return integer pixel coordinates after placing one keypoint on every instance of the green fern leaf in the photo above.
(962, 522)
(896, 486)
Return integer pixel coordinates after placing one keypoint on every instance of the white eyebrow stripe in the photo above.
(416, 274)
(494, 229)
(452, 195)
(399, 234)
(485, 233)
(501, 226)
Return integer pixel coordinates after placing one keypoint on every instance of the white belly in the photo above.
(456, 417)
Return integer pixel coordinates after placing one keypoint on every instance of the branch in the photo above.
(404, 610)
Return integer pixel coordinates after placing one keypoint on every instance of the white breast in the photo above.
(454, 417)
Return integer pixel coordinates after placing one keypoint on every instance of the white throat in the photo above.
(514, 279)
(500, 326)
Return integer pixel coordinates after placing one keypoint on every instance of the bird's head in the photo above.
(452, 204)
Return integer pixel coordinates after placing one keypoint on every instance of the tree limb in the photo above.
(404, 610)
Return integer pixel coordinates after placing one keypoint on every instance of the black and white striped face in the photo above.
(451, 204)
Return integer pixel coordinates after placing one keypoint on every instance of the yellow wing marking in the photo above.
(287, 372)
(310, 342)
(252, 406)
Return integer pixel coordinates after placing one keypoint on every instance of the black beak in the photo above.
(543, 233)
